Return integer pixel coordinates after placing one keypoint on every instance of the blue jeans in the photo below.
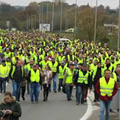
(3, 84)
(104, 105)
(16, 89)
(34, 91)
(55, 82)
(80, 93)
(69, 91)
(60, 84)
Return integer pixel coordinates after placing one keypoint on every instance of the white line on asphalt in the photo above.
(89, 109)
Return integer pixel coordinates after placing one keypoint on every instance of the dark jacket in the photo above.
(18, 74)
(83, 84)
(15, 107)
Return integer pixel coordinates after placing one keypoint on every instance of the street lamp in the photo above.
(95, 25)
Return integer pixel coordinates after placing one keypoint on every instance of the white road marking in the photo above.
(89, 109)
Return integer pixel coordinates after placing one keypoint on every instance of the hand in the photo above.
(3, 111)
(9, 111)
(90, 91)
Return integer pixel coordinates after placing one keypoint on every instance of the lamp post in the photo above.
(95, 25)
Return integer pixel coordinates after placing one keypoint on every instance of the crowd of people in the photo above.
(35, 61)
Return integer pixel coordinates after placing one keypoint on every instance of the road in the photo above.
(56, 108)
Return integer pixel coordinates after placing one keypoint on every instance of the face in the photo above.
(99, 65)
(108, 62)
(19, 63)
(71, 67)
(35, 67)
(46, 68)
(107, 74)
(7, 99)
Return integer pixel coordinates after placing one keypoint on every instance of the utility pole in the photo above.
(76, 16)
(61, 18)
(47, 13)
(95, 25)
(53, 15)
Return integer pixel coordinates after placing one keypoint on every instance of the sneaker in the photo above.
(77, 103)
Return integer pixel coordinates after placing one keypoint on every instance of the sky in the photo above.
(111, 3)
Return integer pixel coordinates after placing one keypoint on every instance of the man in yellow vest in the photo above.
(4, 74)
(68, 80)
(106, 87)
(82, 82)
(34, 76)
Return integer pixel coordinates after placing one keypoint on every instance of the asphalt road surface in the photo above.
(56, 108)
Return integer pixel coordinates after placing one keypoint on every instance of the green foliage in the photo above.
(27, 18)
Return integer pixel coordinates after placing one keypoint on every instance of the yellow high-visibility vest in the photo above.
(83, 78)
(35, 76)
(69, 77)
(61, 72)
(106, 88)
(4, 71)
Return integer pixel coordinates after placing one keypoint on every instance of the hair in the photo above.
(8, 93)
(118, 65)
(106, 70)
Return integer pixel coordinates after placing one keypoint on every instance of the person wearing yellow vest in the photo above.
(4, 74)
(27, 69)
(34, 76)
(98, 72)
(61, 71)
(53, 65)
(109, 65)
(68, 80)
(82, 82)
(17, 77)
(106, 87)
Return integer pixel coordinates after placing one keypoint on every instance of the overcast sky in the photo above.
(111, 3)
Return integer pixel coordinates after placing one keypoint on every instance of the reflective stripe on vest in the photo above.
(4, 71)
(53, 66)
(83, 78)
(69, 77)
(106, 88)
(35, 76)
(61, 72)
